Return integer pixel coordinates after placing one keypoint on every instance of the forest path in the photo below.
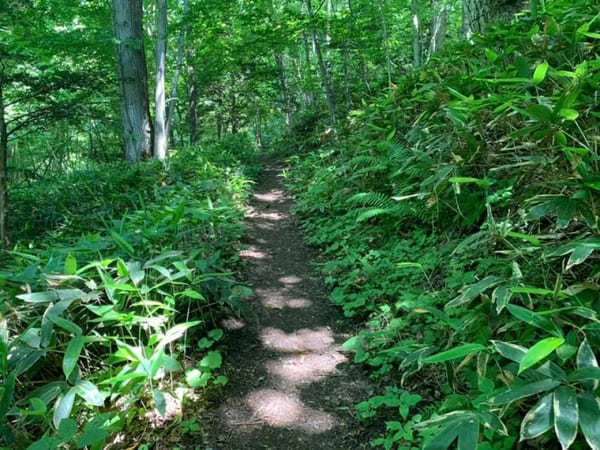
(290, 384)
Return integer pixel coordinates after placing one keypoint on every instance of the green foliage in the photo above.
(458, 216)
(107, 317)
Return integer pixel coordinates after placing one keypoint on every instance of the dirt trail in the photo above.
(291, 386)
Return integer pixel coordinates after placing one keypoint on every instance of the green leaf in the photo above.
(527, 390)
(586, 358)
(468, 434)
(566, 416)
(540, 113)
(216, 335)
(473, 291)
(89, 392)
(539, 419)
(458, 352)
(444, 439)
(121, 242)
(534, 319)
(72, 354)
(589, 419)
(539, 351)
(63, 406)
(540, 73)
(192, 378)
(482, 183)
(159, 401)
(67, 429)
(500, 297)
(578, 256)
(175, 333)
(65, 324)
(569, 114)
(70, 265)
(212, 360)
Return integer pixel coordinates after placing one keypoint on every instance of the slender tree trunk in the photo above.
(416, 20)
(439, 25)
(193, 108)
(172, 100)
(309, 93)
(3, 169)
(133, 74)
(285, 91)
(160, 124)
(325, 76)
(477, 13)
(386, 44)
(347, 56)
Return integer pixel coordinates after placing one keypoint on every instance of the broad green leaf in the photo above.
(586, 358)
(175, 333)
(589, 419)
(566, 416)
(72, 354)
(468, 434)
(540, 113)
(458, 352)
(63, 406)
(500, 297)
(527, 390)
(159, 401)
(540, 72)
(121, 242)
(193, 378)
(89, 392)
(534, 319)
(65, 324)
(579, 255)
(585, 373)
(67, 429)
(70, 265)
(473, 291)
(539, 419)
(216, 335)
(212, 360)
(444, 439)
(7, 394)
(539, 351)
(569, 114)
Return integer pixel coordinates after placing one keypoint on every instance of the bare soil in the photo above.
(291, 386)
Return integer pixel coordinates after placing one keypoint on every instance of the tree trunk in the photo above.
(180, 53)
(160, 124)
(347, 56)
(416, 20)
(3, 169)
(308, 91)
(285, 92)
(133, 75)
(193, 107)
(386, 46)
(439, 25)
(476, 13)
(325, 77)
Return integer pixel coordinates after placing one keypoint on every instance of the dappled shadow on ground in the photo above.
(291, 386)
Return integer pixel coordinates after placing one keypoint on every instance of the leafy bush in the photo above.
(93, 327)
(458, 214)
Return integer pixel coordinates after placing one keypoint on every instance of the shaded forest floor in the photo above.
(291, 386)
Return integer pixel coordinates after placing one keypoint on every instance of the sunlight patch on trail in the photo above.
(318, 340)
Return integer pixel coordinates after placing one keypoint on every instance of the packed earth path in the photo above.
(291, 386)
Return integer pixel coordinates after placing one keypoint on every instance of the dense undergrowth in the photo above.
(458, 214)
(114, 287)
